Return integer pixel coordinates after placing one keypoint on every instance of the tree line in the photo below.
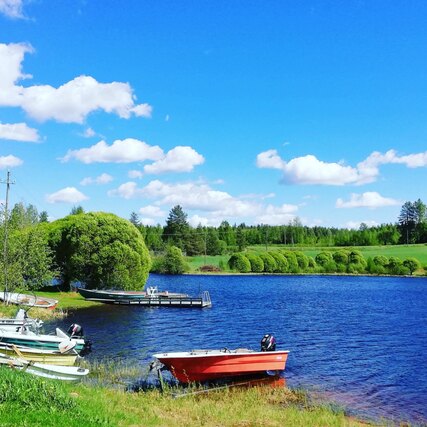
(410, 227)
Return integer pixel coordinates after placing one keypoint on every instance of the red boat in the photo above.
(204, 365)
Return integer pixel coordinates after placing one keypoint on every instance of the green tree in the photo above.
(174, 262)
(43, 217)
(77, 210)
(134, 219)
(101, 250)
(176, 231)
(241, 238)
(411, 264)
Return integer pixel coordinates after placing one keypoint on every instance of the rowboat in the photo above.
(205, 365)
(50, 357)
(28, 300)
(19, 321)
(64, 373)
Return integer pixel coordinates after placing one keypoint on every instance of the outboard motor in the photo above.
(268, 343)
(75, 331)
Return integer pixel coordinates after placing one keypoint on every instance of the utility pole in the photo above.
(5, 254)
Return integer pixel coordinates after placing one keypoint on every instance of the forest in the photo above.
(105, 251)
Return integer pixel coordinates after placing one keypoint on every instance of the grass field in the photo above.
(400, 251)
(26, 400)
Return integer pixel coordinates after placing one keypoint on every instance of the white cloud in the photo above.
(66, 195)
(70, 102)
(201, 197)
(18, 132)
(89, 133)
(370, 199)
(11, 8)
(121, 151)
(152, 211)
(134, 174)
(355, 225)
(104, 178)
(179, 159)
(310, 170)
(10, 162)
(277, 215)
(270, 160)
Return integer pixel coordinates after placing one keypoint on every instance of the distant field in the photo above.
(400, 251)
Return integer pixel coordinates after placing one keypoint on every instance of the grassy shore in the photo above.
(26, 400)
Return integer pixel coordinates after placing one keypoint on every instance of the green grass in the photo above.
(67, 301)
(31, 401)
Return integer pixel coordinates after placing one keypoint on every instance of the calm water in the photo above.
(360, 341)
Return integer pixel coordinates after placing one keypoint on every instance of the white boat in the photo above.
(64, 373)
(28, 300)
(59, 341)
(21, 320)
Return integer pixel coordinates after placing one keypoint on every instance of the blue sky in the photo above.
(246, 111)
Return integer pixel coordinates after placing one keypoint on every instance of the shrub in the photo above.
(302, 260)
(411, 264)
(257, 264)
(172, 262)
(292, 261)
(281, 262)
(270, 265)
(240, 263)
(323, 258)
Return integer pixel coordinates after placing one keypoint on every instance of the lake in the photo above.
(359, 341)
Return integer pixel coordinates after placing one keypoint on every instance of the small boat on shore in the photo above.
(51, 357)
(19, 321)
(28, 300)
(32, 340)
(56, 372)
(152, 297)
(205, 365)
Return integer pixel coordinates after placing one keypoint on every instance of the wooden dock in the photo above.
(203, 301)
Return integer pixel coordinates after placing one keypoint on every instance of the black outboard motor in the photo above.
(268, 343)
(75, 331)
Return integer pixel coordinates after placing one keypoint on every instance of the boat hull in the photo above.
(40, 356)
(214, 364)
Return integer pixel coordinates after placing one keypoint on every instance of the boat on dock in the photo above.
(206, 365)
(149, 298)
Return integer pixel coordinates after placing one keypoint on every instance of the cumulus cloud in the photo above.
(201, 197)
(310, 170)
(66, 195)
(179, 159)
(134, 174)
(12, 8)
(152, 211)
(277, 215)
(89, 133)
(121, 151)
(18, 132)
(10, 162)
(104, 178)
(370, 199)
(70, 102)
